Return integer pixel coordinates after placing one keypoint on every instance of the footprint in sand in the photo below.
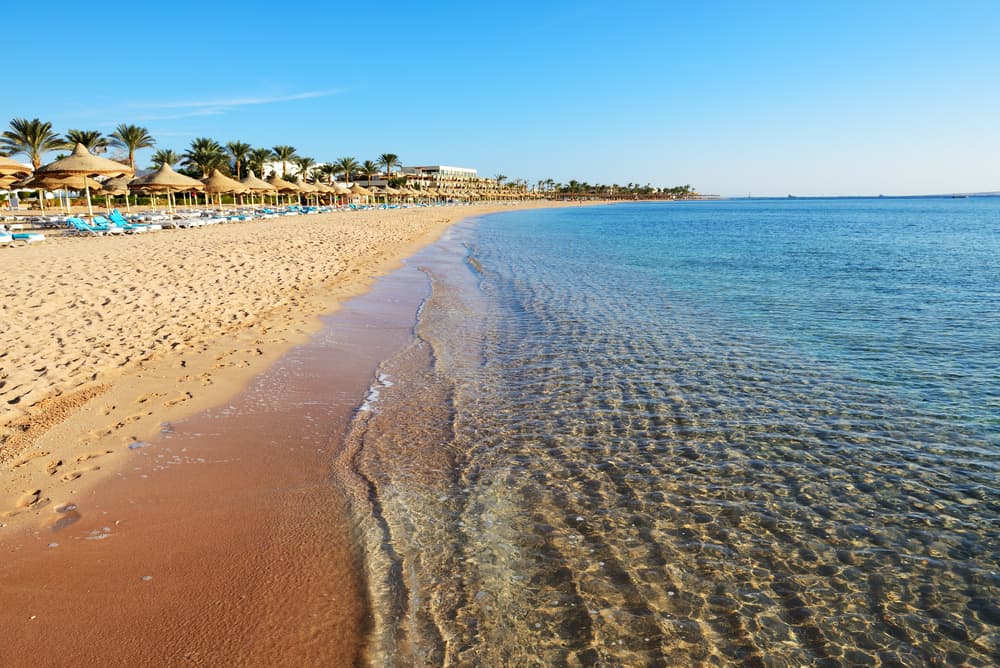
(31, 499)
(93, 455)
(148, 397)
(53, 466)
(179, 400)
(74, 475)
(107, 410)
(28, 459)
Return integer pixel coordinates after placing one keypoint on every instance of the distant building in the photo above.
(442, 171)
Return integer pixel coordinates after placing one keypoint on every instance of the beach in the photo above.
(107, 343)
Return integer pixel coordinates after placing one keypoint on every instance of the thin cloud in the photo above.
(187, 114)
(234, 102)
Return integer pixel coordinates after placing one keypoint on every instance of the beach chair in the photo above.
(121, 221)
(117, 218)
(8, 238)
(78, 226)
(102, 224)
(28, 237)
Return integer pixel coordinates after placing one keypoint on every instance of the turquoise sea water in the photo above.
(743, 432)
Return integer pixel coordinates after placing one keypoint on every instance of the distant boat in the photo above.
(959, 196)
(791, 197)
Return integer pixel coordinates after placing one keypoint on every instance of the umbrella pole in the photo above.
(90, 208)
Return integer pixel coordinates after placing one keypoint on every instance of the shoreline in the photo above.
(111, 473)
(99, 369)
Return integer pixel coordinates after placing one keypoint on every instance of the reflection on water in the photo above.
(556, 476)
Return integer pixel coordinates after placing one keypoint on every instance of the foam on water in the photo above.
(739, 433)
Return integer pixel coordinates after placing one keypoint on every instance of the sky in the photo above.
(767, 98)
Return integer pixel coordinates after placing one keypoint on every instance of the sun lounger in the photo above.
(102, 224)
(118, 219)
(8, 238)
(78, 226)
(127, 227)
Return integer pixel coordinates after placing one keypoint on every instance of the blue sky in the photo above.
(760, 97)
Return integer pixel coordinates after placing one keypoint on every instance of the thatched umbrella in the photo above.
(359, 190)
(306, 189)
(220, 183)
(283, 186)
(10, 167)
(166, 180)
(82, 162)
(390, 192)
(376, 191)
(255, 185)
(48, 182)
(116, 186)
(325, 189)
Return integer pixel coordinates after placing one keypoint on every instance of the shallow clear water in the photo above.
(761, 433)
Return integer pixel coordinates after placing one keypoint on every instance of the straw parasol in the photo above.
(283, 186)
(165, 180)
(360, 190)
(10, 167)
(255, 185)
(116, 186)
(82, 162)
(220, 183)
(48, 182)
(305, 188)
(324, 188)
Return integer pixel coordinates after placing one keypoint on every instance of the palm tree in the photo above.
(369, 168)
(132, 138)
(33, 138)
(257, 158)
(327, 171)
(285, 154)
(389, 160)
(239, 150)
(500, 178)
(304, 164)
(205, 154)
(93, 140)
(347, 167)
(165, 156)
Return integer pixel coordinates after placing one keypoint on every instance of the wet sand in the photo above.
(221, 541)
(218, 540)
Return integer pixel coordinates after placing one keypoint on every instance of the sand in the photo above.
(103, 341)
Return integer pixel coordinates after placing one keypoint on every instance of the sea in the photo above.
(737, 432)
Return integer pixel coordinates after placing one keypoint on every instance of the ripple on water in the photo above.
(580, 466)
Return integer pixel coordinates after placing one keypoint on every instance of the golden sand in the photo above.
(102, 339)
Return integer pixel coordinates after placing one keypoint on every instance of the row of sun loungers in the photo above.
(116, 223)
